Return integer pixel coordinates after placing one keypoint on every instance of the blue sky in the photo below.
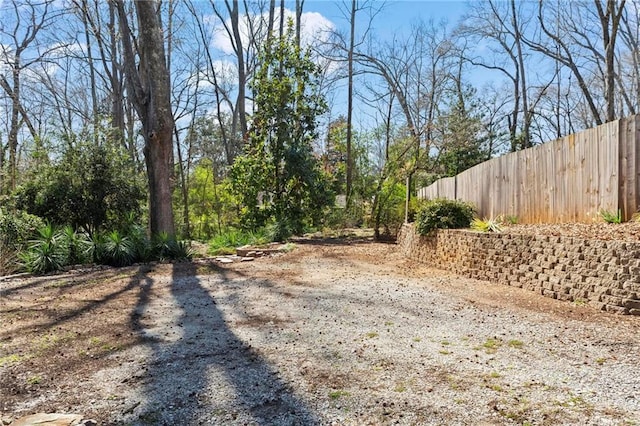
(396, 15)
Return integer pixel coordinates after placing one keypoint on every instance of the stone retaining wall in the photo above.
(605, 274)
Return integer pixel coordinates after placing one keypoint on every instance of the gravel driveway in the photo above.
(352, 334)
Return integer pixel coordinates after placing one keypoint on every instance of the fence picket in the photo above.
(567, 180)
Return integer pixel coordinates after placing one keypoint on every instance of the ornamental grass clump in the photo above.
(611, 217)
(486, 225)
(442, 213)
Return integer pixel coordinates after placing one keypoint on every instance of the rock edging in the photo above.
(605, 274)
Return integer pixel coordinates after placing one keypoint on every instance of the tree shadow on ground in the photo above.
(199, 358)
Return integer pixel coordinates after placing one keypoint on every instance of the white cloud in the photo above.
(313, 25)
(226, 75)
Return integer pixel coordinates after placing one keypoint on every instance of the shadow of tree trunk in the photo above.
(200, 372)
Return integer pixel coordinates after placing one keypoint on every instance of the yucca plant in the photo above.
(96, 249)
(118, 249)
(46, 253)
(161, 246)
(258, 237)
(486, 225)
(141, 244)
(165, 247)
(77, 245)
(181, 251)
(280, 230)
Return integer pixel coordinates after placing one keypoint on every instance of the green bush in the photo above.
(90, 187)
(441, 213)
(55, 248)
(280, 230)
(18, 227)
(9, 262)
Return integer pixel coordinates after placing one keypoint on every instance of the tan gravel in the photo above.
(335, 332)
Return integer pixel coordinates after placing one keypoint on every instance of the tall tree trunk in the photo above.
(15, 124)
(272, 17)
(610, 23)
(299, 6)
(117, 90)
(281, 18)
(149, 86)
(92, 71)
(349, 177)
(526, 138)
(183, 188)
(239, 117)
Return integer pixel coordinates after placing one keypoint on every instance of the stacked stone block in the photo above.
(605, 274)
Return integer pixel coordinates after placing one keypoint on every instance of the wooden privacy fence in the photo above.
(567, 180)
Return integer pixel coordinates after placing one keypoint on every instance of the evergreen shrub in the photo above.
(441, 213)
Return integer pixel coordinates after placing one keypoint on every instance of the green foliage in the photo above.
(462, 145)
(442, 213)
(46, 253)
(278, 178)
(486, 225)
(162, 246)
(509, 219)
(181, 251)
(363, 183)
(390, 211)
(212, 206)
(18, 227)
(388, 207)
(611, 217)
(207, 140)
(9, 261)
(165, 247)
(119, 250)
(227, 242)
(77, 246)
(335, 157)
(97, 248)
(55, 248)
(280, 230)
(91, 187)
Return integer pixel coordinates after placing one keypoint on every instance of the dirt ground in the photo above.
(333, 332)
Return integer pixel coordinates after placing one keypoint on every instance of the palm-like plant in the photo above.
(162, 246)
(486, 225)
(46, 253)
(77, 245)
(119, 250)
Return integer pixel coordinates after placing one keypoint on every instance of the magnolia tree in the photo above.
(278, 178)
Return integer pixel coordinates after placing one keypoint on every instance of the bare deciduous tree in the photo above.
(28, 20)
